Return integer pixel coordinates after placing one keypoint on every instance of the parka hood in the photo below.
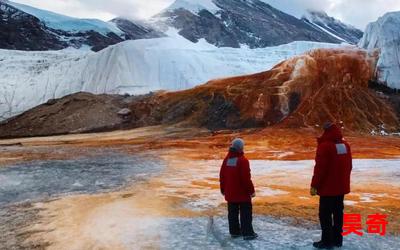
(333, 134)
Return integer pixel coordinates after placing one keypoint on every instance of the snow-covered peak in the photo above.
(46, 30)
(316, 15)
(384, 34)
(66, 23)
(194, 5)
(237, 23)
(332, 26)
(323, 17)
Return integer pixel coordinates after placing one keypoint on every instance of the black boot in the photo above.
(250, 237)
(234, 236)
(322, 245)
(339, 244)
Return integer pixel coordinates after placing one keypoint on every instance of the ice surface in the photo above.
(350, 203)
(38, 180)
(194, 184)
(205, 233)
(119, 223)
(384, 34)
(136, 67)
(384, 171)
(122, 224)
(266, 191)
(368, 198)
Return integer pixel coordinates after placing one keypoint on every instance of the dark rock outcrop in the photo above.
(322, 21)
(253, 23)
(22, 31)
(237, 22)
(19, 30)
(136, 30)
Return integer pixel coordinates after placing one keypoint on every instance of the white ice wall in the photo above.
(135, 67)
(384, 34)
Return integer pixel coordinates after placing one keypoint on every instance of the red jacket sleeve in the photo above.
(221, 177)
(350, 155)
(321, 165)
(246, 176)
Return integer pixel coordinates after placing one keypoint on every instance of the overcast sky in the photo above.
(356, 12)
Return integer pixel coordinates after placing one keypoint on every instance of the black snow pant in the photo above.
(331, 207)
(245, 227)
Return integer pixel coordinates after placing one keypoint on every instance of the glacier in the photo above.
(384, 35)
(28, 79)
(66, 23)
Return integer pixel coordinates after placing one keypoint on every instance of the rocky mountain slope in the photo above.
(26, 28)
(135, 29)
(223, 23)
(234, 23)
(384, 34)
(305, 91)
(19, 30)
(332, 26)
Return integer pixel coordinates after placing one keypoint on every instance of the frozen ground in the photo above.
(38, 180)
(195, 184)
(24, 185)
(199, 233)
(189, 183)
(170, 210)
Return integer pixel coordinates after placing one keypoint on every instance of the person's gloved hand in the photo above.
(313, 191)
(253, 195)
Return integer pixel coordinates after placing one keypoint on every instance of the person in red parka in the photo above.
(238, 189)
(331, 181)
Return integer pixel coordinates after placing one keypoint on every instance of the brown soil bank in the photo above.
(305, 91)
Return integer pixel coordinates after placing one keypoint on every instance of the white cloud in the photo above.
(101, 9)
(361, 12)
(356, 12)
(298, 7)
(128, 8)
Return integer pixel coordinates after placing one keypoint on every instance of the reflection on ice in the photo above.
(43, 179)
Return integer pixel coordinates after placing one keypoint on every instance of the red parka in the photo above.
(235, 178)
(333, 164)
